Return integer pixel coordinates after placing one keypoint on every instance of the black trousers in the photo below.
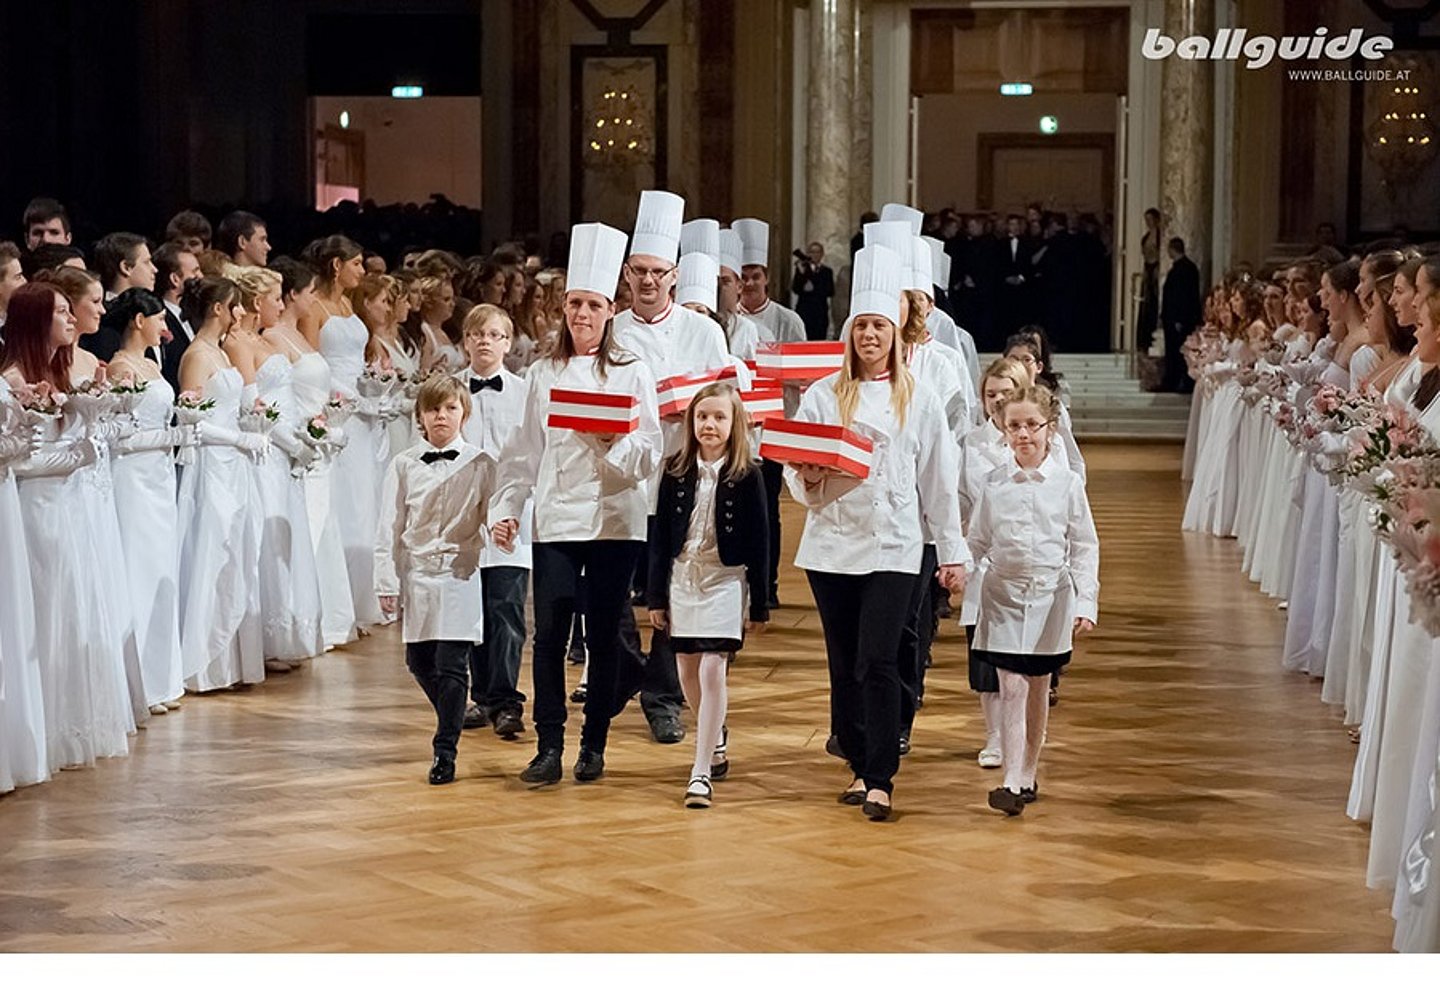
(655, 676)
(495, 663)
(602, 569)
(773, 474)
(1177, 380)
(439, 667)
(862, 616)
(915, 640)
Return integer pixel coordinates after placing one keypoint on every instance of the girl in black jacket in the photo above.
(709, 558)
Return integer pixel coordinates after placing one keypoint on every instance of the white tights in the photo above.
(702, 678)
(990, 705)
(1024, 711)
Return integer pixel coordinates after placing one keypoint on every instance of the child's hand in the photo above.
(659, 619)
(604, 440)
(1083, 625)
(503, 533)
(389, 604)
(951, 577)
(812, 474)
(755, 628)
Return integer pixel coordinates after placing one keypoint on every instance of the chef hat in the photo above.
(895, 212)
(731, 251)
(877, 277)
(894, 236)
(939, 261)
(597, 252)
(701, 236)
(698, 280)
(657, 225)
(754, 241)
(922, 275)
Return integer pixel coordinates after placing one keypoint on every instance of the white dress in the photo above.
(359, 468)
(1214, 497)
(22, 702)
(220, 522)
(310, 378)
(145, 497)
(88, 713)
(401, 430)
(289, 584)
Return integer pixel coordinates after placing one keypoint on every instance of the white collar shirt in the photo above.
(495, 417)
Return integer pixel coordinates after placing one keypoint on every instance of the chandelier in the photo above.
(620, 130)
(1403, 139)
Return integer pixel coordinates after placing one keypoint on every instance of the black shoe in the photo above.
(832, 747)
(576, 655)
(508, 723)
(442, 771)
(578, 695)
(667, 729)
(1008, 803)
(475, 717)
(878, 812)
(1054, 696)
(589, 766)
(905, 743)
(544, 768)
(1031, 793)
(720, 761)
(851, 797)
(773, 602)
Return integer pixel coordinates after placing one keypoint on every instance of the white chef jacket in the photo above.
(908, 500)
(1064, 441)
(946, 331)
(581, 491)
(777, 322)
(678, 343)
(494, 417)
(983, 450)
(943, 371)
(744, 336)
(1034, 530)
(432, 530)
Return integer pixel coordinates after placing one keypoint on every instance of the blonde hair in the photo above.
(1006, 368)
(1043, 398)
(435, 391)
(738, 457)
(847, 387)
(914, 329)
(478, 316)
(253, 282)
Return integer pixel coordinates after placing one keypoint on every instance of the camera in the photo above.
(801, 255)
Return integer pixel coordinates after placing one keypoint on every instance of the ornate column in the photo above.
(1186, 137)
(862, 154)
(830, 146)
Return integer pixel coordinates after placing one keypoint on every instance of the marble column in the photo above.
(1186, 134)
(830, 145)
(861, 170)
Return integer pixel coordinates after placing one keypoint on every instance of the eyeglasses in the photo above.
(491, 336)
(645, 273)
(1019, 428)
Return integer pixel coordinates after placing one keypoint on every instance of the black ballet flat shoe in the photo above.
(1031, 793)
(1008, 803)
(578, 695)
(876, 811)
(475, 717)
(719, 770)
(544, 769)
(851, 797)
(1054, 696)
(904, 743)
(832, 747)
(576, 655)
(442, 771)
(589, 766)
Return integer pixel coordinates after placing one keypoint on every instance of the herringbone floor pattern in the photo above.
(1192, 799)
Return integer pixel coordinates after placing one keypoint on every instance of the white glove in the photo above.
(52, 462)
(154, 440)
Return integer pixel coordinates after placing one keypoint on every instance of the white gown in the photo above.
(1214, 497)
(88, 713)
(358, 469)
(289, 584)
(401, 430)
(22, 702)
(149, 533)
(220, 523)
(310, 378)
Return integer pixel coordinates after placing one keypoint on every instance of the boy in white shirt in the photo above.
(427, 558)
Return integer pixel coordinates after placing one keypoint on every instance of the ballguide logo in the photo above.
(1232, 43)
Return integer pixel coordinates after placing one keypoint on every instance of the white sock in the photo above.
(1014, 691)
(990, 706)
(714, 698)
(1037, 716)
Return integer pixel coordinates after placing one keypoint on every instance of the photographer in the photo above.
(814, 285)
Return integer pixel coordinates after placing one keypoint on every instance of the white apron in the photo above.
(707, 601)
(1029, 612)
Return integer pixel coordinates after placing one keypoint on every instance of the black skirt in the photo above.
(690, 644)
(1026, 665)
(983, 678)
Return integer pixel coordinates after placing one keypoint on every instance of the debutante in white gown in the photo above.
(144, 476)
(220, 521)
(1214, 497)
(358, 470)
(310, 379)
(401, 430)
(88, 712)
(22, 702)
(289, 583)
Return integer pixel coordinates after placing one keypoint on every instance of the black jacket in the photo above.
(742, 533)
(1180, 297)
(172, 350)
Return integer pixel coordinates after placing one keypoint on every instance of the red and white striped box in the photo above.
(799, 442)
(765, 400)
(799, 361)
(593, 411)
(676, 392)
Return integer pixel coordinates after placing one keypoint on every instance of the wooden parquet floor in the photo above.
(1192, 799)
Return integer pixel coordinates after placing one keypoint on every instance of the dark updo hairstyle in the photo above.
(121, 312)
(323, 252)
(1345, 276)
(294, 274)
(204, 293)
(1037, 341)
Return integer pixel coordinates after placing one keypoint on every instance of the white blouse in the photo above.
(432, 532)
(909, 499)
(581, 490)
(494, 418)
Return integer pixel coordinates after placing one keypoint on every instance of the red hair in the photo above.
(28, 322)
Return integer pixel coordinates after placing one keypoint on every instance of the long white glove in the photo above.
(52, 461)
(154, 440)
(301, 455)
(212, 434)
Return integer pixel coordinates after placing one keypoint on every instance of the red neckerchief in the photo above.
(594, 351)
(669, 306)
(882, 378)
(757, 310)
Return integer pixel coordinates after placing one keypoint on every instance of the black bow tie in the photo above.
(494, 382)
(430, 457)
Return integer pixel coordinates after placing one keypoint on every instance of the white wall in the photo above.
(414, 147)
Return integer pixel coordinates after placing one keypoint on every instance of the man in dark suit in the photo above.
(973, 277)
(174, 265)
(813, 285)
(1180, 312)
(1017, 271)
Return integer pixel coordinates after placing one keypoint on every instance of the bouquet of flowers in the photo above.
(1408, 516)
(1389, 436)
(190, 409)
(44, 407)
(338, 409)
(260, 418)
(128, 391)
(376, 381)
